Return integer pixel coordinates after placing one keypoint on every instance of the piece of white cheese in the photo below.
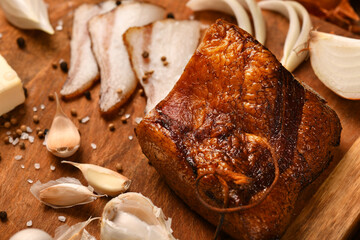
(11, 89)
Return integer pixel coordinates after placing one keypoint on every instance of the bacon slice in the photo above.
(159, 53)
(83, 72)
(118, 80)
(234, 113)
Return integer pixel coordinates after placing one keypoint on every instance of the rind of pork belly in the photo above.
(237, 109)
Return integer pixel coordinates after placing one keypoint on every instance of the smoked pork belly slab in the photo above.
(117, 78)
(83, 72)
(159, 53)
(237, 122)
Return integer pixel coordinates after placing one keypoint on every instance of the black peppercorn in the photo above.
(170, 15)
(64, 67)
(118, 3)
(3, 216)
(25, 92)
(87, 95)
(21, 43)
(46, 131)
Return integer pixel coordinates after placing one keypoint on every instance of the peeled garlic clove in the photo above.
(75, 232)
(63, 193)
(63, 138)
(336, 62)
(103, 180)
(29, 14)
(31, 234)
(133, 216)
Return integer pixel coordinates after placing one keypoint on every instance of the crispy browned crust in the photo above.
(233, 97)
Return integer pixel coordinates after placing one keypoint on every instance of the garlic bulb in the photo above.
(133, 216)
(63, 193)
(63, 138)
(75, 232)
(31, 234)
(336, 62)
(27, 14)
(103, 180)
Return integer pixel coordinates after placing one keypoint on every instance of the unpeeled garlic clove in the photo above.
(103, 180)
(63, 193)
(133, 216)
(75, 232)
(29, 14)
(63, 138)
(31, 234)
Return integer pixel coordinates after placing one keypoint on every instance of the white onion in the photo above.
(336, 62)
(232, 7)
(293, 53)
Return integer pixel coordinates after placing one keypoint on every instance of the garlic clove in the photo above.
(103, 180)
(29, 14)
(335, 61)
(63, 138)
(31, 234)
(63, 193)
(75, 232)
(133, 216)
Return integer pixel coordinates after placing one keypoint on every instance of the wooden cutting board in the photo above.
(34, 66)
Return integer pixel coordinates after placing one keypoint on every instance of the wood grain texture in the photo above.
(332, 211)
(34, 66)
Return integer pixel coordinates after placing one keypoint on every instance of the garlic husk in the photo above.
(63, 193)
(75, 232)
(133, 216)
(336, 62)
(27, 14)
(63, 138)
(31, 234)
(103, 180)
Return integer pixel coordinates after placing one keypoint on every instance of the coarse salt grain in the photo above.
(35, 109)
(138, 120)
(24, 136)
(30, 181)
(42, 106)
(22, 166)
(18, 157)
(62, 218)
(8, 133)
(127, 116)
(52, 168)
(29, 223)
(11, 140)
(37, 166)
(59, 25)
(44, 142)
(28, 129)
(131, 137)
(85, 119)
(93, 145)
(16, 141)
(31, 139)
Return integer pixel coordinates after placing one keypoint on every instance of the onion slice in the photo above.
(232, 7)
(258, 19)
(298, 54)
(296, 38)
(336, 62)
